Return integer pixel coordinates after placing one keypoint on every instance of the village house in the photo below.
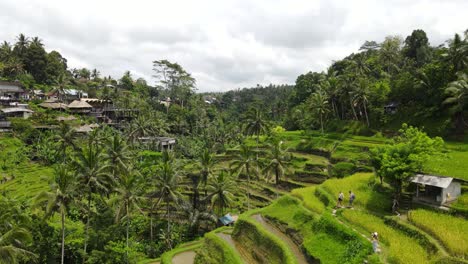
(436, 190)
(79, 107)
(16, 112)
(11, 91)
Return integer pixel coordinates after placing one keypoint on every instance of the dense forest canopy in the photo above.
(107, 196)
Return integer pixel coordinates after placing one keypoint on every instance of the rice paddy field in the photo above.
(450, 230)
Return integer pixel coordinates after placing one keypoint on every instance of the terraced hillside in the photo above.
(305, 227)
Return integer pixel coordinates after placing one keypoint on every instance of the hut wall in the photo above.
(451, 192)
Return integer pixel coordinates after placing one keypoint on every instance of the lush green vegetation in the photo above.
(449, 229)
(108, 197)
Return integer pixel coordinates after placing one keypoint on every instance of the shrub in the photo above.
(342, 169)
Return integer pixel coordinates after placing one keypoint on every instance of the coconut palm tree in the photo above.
(360, 96)
(278, 157)
(22, 43)
(243, 163)
(37, 41)
(127, 199)
(221, 189)
(13, 238)
(118, 154)
(206, 164)
(93, 177)
(457, 53)
(195, 216)
(318, 102)
(62, 194)
(256, 124)
(167, 182)
(61, 83)
(457, 92)
(331, 88)
(65, 137)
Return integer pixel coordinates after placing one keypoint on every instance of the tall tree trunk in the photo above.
(321, 122)
(352, 108)
(63, 237)
(151, 227)
(367, 117)
(128, 225)
(87, 227)
(248, 187)
(277, 178)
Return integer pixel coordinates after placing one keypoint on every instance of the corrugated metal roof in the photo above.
(16, 109)
(441, 182)
(10, 87)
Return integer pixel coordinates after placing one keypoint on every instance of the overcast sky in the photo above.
(224, 44)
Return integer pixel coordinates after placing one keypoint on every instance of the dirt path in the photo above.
(186, 257)
(245, 256)
(275, 231)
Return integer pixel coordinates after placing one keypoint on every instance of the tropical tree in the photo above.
(59, 199)
(127, 200)
(206, 164)
(243, 163)
(278, 160)
(195, 216)
(457, 92)
(118, 154)
(13, 237)
(360, 96)
(256, 124)
(318, 102)
(457, 53)
(221, 189)
(167, 182)
(61, 83)
(93, 177)
(65, 137)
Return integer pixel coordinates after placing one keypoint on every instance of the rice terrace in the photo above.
(200, 132)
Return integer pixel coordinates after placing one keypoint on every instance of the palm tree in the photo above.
(167, 183)
(22, 43)
(62, 194)
(221, 190)
(37, 41)
(13, 238)
(243, 163)
(458, 94)
(359, 96)
(194, 216)
(331, 88)
(127, 199)
(256, 124)
(12, 243)
(95, 74)
(206, 164)
(61, 84)
(278, 156)
(65, 137)
(457, 53)
(118, 154)
(93, 177)
(359, 64)
(318, 101)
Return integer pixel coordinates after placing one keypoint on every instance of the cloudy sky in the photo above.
(224, 44)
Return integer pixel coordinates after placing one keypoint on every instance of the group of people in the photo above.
(352, 196)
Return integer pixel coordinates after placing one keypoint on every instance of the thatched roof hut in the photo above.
(79, 107)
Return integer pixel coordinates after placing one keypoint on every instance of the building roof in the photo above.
(437, 181)
(79, 104)
(11, 87)
(227, 219)
(86, 128)
(92, 100)
(66, 118)
(16, 110)
(54, 105)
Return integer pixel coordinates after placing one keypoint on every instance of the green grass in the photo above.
(309, 199)
(369, 195)
(399, 247)
(253, 235)
(450, 230)
(324, 238)
(453, 164)
(216, 250)
(29, 180)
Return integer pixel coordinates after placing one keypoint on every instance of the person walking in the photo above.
(351, 199)
(340, 199)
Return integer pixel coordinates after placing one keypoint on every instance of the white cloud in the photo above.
(224, 44)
